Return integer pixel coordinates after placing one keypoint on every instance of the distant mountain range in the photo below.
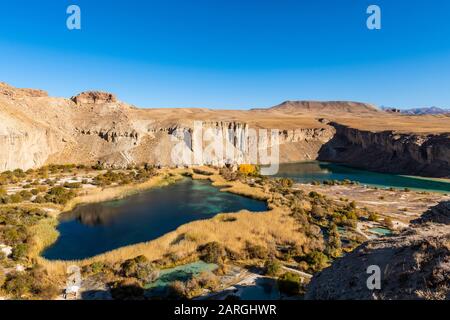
(418, 111)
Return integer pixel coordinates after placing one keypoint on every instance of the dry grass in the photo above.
(43, 234)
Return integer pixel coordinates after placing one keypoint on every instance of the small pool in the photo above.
(180, 273)
(381, 231)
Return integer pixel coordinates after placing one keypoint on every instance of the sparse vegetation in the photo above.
(272, 267)
(290, 284)
(373, 216)
(212, 252)
(33, 284)
(59, 195)
(139, 268)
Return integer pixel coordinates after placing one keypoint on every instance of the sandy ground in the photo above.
(399, 205)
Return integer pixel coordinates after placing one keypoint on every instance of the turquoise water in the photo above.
(306, 172)
(179, 273)
(381, 231)
(96, 228)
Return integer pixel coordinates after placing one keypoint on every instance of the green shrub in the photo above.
(18, 284)
(19, 173)
(97, 267)
(314, 194)
(351, 215)
(272, 267)
(72, 185)
(208, 280)
(39, 199)
(317, 260)
(5, 199)
(256, 252)
(334, 244)
(286, 182)
(59, 195)
(290, 284)
(26, 195)
(139, 268)
(373, 216)
(318, 211)
(20, 251)
(16, 198)
(212, 252)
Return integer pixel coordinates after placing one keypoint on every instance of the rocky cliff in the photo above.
(94, 126)
(388, 151)
(413, 265)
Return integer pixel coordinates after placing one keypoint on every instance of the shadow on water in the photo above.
(261, 289)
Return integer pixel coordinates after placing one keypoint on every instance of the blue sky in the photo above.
(230, 53)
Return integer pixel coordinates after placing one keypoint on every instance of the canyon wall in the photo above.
(387, 151)
(95, 127)
(198, 143)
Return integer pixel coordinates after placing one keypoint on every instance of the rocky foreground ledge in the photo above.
(414, 264)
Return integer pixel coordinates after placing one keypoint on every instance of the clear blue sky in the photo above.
(231, 53)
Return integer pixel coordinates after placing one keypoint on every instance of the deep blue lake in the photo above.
(96, 228)
(306, 172)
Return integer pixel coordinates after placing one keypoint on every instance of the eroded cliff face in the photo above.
(93, 127)
(387, 151)
(25, 149)
(198, 143)
(29, 134)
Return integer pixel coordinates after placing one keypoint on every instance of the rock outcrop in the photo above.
(414, 265)
(388, 151)
(437, 214)
(94, 97)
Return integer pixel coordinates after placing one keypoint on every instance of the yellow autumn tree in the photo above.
(248, 169)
